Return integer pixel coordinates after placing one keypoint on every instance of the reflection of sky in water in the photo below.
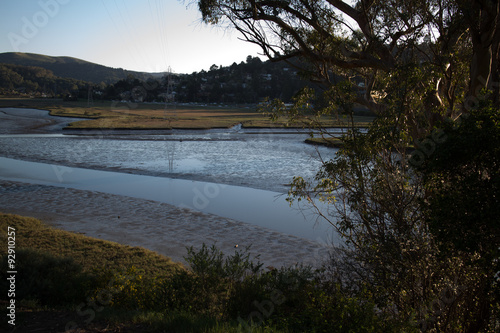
(263, 208)
(263, 160)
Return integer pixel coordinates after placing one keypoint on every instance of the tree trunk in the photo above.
(484, 20)
(480, 72)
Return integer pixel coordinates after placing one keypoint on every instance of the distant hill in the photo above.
(68, 67)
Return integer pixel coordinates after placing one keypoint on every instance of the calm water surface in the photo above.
(252, 159)
(241, 174)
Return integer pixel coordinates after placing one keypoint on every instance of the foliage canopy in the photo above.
(423, 57)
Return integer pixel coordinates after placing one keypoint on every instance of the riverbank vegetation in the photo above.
(76, 282)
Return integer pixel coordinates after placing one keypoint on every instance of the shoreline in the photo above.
(259, 207)
(142, 172)
(156, 226)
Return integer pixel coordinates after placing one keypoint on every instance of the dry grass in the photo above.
(114, 115)
(86, 251)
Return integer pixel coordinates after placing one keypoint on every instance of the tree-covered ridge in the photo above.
(36, 81)
(247, 82)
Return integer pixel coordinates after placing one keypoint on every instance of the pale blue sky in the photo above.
(142, 35)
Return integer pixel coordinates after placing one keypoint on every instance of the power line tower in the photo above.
(170, 106)
(90, 98)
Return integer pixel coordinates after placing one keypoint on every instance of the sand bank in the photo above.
(157, 226)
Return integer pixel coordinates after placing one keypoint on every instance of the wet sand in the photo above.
(31, 121)
(157, 226)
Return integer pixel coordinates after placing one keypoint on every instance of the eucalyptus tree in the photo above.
(433, 53)
(419, 65)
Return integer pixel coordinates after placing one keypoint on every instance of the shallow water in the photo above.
(236, 173)
(18, 120)
(258, 160)
(259, 207)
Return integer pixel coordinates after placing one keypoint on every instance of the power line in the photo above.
(90, 98)
(143, 55)
(119, 33)
(128, 30)
(160, 15)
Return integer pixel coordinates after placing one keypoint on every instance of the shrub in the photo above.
(215, 275)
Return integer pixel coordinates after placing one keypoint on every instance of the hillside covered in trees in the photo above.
(68, 67)
(246, 82)
(36, 82)
(241, 83)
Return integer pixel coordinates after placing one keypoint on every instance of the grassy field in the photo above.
(328, 142)
(58, 270)
(65, 280)
(74, 283)
(115, 115)
(68, 280)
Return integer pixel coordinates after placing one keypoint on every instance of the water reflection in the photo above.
(170, 156)
(259, 207)
(263, 161)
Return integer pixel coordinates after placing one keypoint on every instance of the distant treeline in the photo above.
(241, 83)
(246, 82)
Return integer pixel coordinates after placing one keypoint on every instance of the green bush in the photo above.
(299, 299)
(462, 207)
(295, 299)
(220, 291)
(215, 276)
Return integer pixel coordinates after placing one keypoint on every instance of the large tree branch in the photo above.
(313, 21)
(348, 59)
(363, 21)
